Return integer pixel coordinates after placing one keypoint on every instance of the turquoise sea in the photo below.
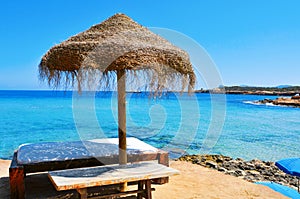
(178, 123)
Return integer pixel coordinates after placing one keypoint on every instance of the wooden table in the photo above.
(50, 156)
(82, 178)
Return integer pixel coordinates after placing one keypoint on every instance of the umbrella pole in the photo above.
(122, 116)
(121, 78)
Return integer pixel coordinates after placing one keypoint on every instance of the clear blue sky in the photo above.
(252, 42)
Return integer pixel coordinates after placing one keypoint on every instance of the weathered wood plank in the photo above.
(163, 158)
(121, 81)
(106, 175)
(140, 188)
(148, 189)
(16, 179)
(83, 193)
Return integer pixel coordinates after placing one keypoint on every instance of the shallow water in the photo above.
(178, 123)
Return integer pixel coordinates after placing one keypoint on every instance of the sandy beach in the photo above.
(194, 182)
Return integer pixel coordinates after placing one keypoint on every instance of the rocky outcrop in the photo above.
(296, 97)
(253, 170)
(265, 101)
(283, 101)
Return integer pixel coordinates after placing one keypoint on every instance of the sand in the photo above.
(198, 182)
(194, 182)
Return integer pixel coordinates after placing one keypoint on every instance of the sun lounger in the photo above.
(83, 178)
(40, 157)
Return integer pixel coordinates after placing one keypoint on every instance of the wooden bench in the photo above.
(51, 156)
(82, 178)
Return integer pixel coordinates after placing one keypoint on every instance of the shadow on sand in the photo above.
(38, 186)
(4, 187)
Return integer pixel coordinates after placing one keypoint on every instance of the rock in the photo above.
(231, 172)
(239, 159)
(249, 166)
(240, 172)
(265, 101)
(253, 173)
(211, 164)
(248, 178)
(296, 97)
(259, 166)
(196, 161)
(282, 101)
(287, 102)
(242, 166)
(222, 169)
(269, 163)
(227, 165)
(219, 160)
(266, 173)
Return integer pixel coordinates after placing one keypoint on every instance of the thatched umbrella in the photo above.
(118, 47)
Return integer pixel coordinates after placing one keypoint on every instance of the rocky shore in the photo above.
(282, 101)
(252, 171)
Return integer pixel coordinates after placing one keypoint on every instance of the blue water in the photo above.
(177, 123)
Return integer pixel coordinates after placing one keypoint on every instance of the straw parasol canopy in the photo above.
(118, 47)
(116, 44)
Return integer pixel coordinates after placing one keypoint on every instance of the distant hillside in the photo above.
(251, 88)
(283, 90)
